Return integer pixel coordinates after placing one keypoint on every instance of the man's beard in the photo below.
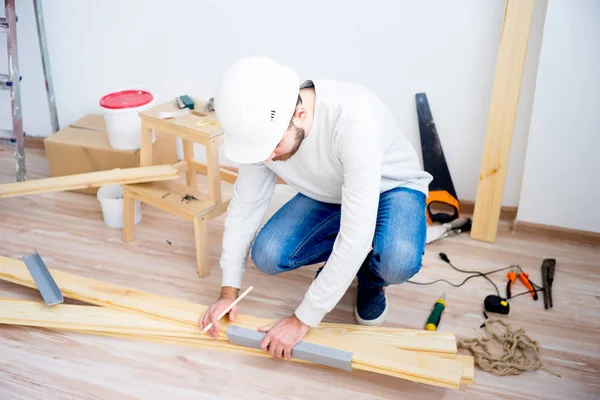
(297, 141)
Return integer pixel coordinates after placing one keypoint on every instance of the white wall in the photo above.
(397, 48)
(561, 182)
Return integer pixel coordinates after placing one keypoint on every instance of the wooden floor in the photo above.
(67, 230)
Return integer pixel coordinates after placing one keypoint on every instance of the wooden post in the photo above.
(128, 216)
(201, 238)
(213, 171)
(146, 145)
(188, 156)
(501, 121)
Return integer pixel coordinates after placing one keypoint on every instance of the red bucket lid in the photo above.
(126, 99)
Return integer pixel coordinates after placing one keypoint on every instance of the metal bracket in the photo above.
(43, 279)
(303, 350)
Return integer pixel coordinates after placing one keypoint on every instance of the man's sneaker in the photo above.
(371, 307)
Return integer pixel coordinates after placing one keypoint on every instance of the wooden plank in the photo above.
(182, 166)
(468, 368)
(89, 180)
(410, 365)
(168, 196)
(101, 320)
(126, 299)
(406, 364)
(89, 318)
(501, 121)
(466, 379)
(225, 174)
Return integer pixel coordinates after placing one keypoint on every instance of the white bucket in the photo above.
(111, 201)
(124, 125)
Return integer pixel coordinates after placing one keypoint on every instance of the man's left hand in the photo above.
(283, 336)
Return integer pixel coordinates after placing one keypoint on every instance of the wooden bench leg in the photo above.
(213, 171)
(128, 216)
(201, 238)
(146, 146)
(188, 155)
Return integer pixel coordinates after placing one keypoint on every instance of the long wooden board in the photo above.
(501, 120)
(96, 320)
(89, 180)
(89, 318)
(383, 360)
(369, 353)
(173, 310)
(468, 364)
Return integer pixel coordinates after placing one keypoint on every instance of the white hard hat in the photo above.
(254, 103)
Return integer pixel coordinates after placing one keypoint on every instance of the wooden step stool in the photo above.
(170, 196)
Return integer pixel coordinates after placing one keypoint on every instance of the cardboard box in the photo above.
(83, 147)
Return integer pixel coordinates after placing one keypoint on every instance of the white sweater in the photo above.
(354, 152)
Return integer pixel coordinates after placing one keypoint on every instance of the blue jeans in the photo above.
(303, 232)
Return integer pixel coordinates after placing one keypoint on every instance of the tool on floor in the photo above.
(436, 314)
(456, 227)
(318, 354)
(492, 303)
(496, 304)
(511, 276)
(548, 266)
(441, 189)
(240, 297)
(524, 278)
(43, 279)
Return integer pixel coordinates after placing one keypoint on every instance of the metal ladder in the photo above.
(12, 80)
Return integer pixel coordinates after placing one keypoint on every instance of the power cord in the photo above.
(444, 257)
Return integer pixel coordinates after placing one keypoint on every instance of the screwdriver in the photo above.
(436, 314)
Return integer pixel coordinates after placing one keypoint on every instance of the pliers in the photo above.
(547, 278)
(523, 277)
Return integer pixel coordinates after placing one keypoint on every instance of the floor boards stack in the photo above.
(419, 356)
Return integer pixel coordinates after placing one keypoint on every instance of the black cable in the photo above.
(527, 292)
(444, 257)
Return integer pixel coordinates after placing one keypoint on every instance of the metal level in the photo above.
(43, 279)
(303, 350)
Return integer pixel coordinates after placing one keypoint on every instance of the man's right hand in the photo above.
(228, 295)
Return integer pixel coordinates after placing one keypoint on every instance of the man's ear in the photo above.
(299, 116)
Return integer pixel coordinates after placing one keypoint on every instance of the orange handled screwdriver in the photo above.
(512, 276)
(524, 277)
